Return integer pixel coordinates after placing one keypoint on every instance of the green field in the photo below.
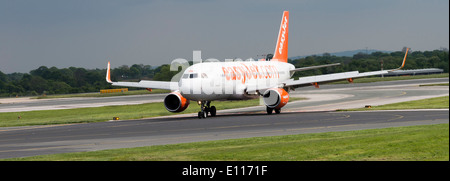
(97, 94)
(98, 114)
(428, 142)
(443, 84)
(432, 103)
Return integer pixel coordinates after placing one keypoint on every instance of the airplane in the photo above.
(270, 78)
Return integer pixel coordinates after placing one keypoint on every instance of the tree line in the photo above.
(44, 80)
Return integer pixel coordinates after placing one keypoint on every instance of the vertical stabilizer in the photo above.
(281, 50)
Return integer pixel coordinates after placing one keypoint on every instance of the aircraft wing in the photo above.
(147, 84)
(314, 67)
(143, 83)
(314, 80)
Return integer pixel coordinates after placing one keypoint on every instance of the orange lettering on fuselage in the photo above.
(236, 73)
(244, 73)
(226, 73)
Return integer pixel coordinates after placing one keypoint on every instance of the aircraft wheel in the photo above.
(277, 111)
(269, 110)
(213, 111)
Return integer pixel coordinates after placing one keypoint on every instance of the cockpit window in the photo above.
(204, 75)
(190, 76)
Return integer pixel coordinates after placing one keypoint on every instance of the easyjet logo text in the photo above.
(246, 72)
(283, 35)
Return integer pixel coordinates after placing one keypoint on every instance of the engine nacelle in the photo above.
(175, 102)
(275, 98)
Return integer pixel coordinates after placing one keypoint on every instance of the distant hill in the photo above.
(348, 53)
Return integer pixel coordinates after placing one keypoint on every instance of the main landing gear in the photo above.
(270, 110)
(206, 109)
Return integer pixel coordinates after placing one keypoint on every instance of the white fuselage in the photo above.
(230, 80)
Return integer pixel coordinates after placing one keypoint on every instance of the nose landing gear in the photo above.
(206, 109)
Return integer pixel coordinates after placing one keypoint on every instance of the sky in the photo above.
(89, 33)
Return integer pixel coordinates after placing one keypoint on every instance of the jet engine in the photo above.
(175, 102)
(275, 98)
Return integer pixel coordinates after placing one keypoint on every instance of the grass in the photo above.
(426, 142)
(432, 103)
(98, 114)
(443, 84)
(97, 94)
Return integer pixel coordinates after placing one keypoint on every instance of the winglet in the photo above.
(404, 60)
(108, 73)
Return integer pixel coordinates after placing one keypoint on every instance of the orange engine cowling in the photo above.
(175, 102)
(275, 98)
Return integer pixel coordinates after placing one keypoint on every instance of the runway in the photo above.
(309, 116)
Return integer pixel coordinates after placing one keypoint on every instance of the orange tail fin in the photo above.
(281, 50)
